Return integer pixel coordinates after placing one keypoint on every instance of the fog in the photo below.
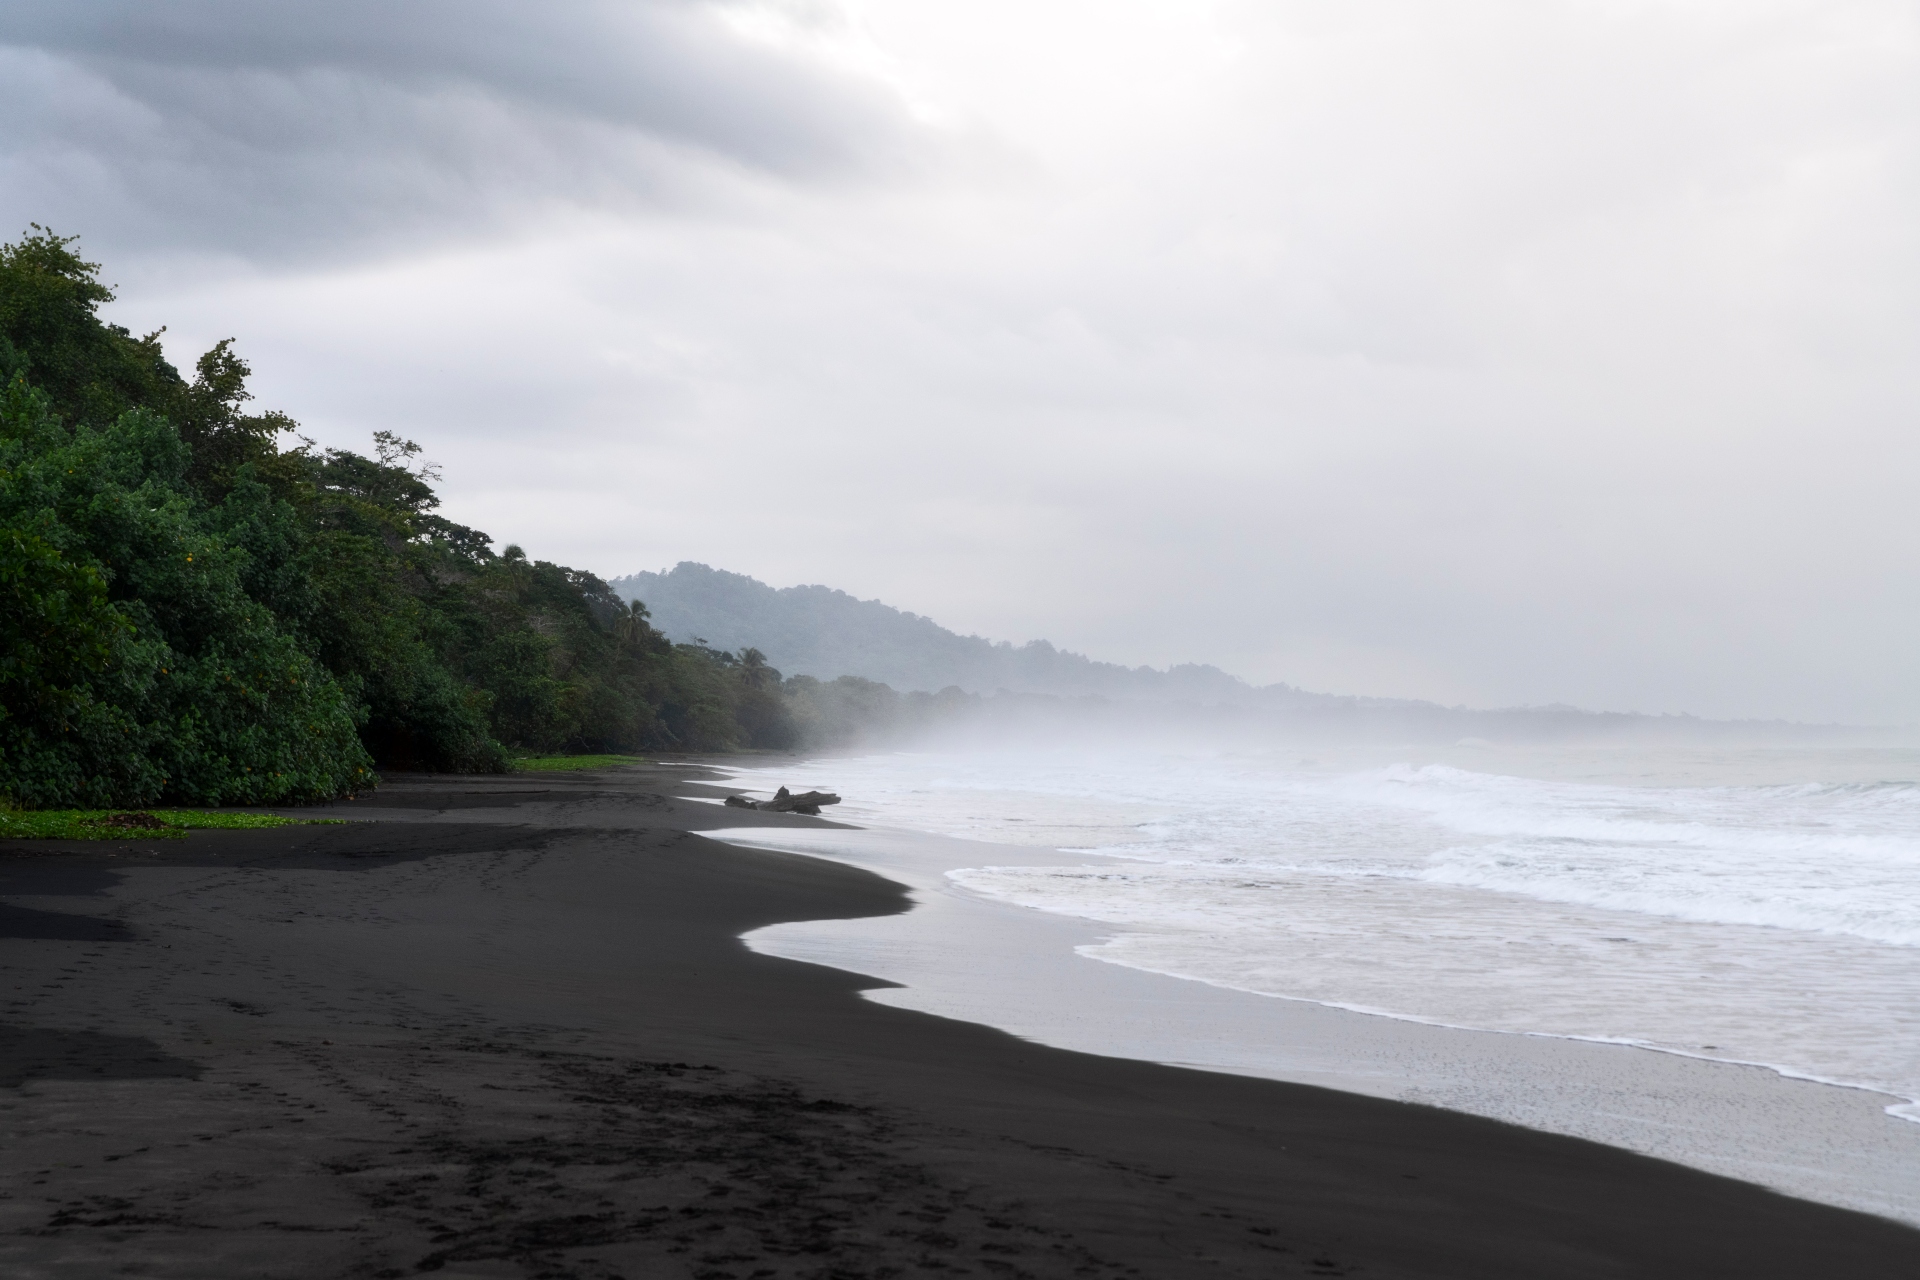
(1488, 353)
(834, 721)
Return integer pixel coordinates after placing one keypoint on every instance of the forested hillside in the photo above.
(818, 631)
(821, 632)
(197, 604)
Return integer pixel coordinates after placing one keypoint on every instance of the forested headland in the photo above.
(199, 605)
(826, 633)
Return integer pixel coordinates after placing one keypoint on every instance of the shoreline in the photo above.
(510, 1028)
(1902, 1108)
(1825, 1142)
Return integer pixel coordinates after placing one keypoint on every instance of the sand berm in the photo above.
(505, 1027)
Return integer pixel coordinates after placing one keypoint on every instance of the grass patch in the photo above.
(556, 764)
(143, 824)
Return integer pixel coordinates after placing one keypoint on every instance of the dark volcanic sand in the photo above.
(510, 1031)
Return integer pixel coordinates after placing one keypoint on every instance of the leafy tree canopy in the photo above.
(199, 605)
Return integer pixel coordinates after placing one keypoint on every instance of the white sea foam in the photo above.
(1773, 921)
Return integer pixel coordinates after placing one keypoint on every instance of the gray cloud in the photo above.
(273, 130)
(1495, 352)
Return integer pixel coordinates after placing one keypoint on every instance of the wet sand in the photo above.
(510, 1029)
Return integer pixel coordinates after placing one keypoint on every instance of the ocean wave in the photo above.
(1772, 924)
(1836, 1008)
(1904, 1106)
(1848, 900)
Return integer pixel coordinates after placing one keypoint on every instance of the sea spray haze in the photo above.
(1755, 905)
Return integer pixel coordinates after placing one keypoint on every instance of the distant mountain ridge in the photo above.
(818, 631)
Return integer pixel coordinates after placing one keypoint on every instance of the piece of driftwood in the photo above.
(783, 801)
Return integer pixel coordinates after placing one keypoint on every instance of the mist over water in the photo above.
(1757, 905)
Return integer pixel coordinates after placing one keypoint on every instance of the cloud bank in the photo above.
(282, 131)
(1492, 352)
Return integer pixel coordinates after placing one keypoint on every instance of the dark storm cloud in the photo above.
(272, 128)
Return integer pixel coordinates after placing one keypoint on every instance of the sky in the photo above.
(1495, 353)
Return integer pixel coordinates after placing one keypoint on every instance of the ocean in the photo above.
(1746, 906)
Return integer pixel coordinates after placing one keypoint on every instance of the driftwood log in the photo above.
(783, 801)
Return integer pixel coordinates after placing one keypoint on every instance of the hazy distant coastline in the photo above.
(821, 632)
(1037, 689)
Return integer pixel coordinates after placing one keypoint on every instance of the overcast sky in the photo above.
(1496, 353)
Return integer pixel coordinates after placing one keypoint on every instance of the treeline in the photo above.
(198, 605)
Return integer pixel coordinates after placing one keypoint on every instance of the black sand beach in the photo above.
(508, 1029)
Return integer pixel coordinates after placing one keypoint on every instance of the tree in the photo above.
(202, 605)
(137, 666)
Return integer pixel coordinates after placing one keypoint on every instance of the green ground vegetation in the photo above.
(199, 607)
(106, 824)
(568, 764)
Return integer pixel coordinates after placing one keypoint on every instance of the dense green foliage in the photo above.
(191, 611)
(852, 709)
(136, 665)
